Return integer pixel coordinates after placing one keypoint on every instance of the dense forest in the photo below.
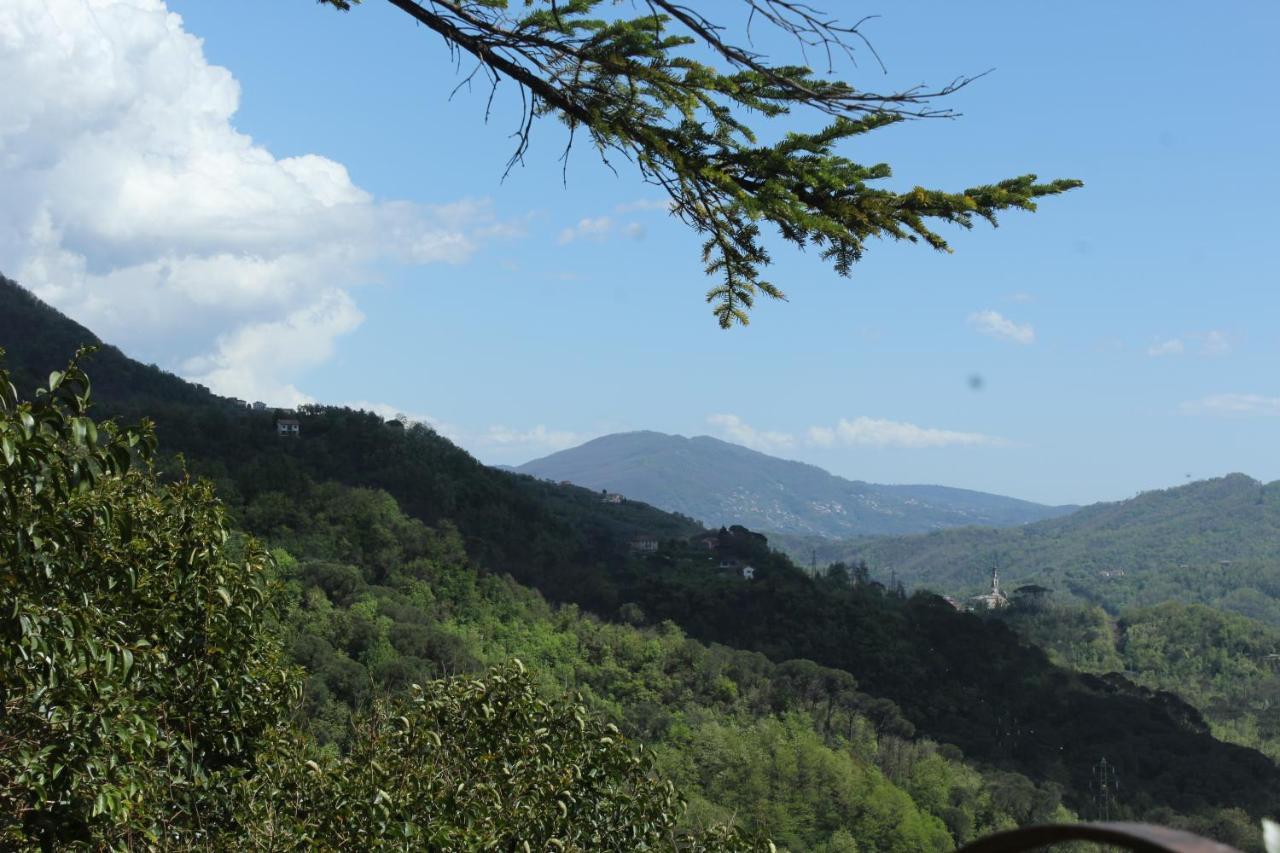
(1213, 542)
(793, 750)
(1226, 665)
(403, 561)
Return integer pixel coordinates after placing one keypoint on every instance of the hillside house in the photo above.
(645, 544)
(748, 573)
(993, 600)
(608, 497)
(730, 564)
(288, 427)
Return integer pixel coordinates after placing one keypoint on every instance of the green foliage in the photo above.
(469, 764)
(135, 671)
(383, 604)
(642, 87)
(711, 713)
(1226, 665)
(146, 701)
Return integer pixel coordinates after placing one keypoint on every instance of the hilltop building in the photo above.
(993, 600)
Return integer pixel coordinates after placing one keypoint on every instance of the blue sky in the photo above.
(1125, 334)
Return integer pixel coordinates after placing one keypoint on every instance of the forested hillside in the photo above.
(792, 750)
(1226, 665)
(383, 601)
(720, 483)
(1210, 542)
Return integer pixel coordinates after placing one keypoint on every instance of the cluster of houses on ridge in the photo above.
(649, 545)
(287, 425)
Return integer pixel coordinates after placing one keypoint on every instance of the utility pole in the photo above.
(1105, 788)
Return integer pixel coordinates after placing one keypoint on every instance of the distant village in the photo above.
(1030, 595)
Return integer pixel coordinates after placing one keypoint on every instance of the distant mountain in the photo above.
(1210, 542)
(955, 678)
(720, 483)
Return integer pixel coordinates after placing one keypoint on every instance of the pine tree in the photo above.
(633, 86)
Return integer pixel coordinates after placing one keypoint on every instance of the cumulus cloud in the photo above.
(1173, 346)
(1233, 405)
(133, 203)
(739, 431)
(601, 228)
(995, 325)
(258, 359)
(597, 228)
(878, 432)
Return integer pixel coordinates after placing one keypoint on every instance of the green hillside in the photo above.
(1225, 664)
(1210, 542)
(952, 679)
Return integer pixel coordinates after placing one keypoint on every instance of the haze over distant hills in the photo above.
(720, 483)
(1212, 542)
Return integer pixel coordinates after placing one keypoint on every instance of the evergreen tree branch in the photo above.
(635, 87)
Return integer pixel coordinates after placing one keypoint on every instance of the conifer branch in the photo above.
(632, 86)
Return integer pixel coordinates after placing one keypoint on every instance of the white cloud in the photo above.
(258, 359)
(601, 228)
(996, 325)
(593, 229)
(1214, 342)
(498, 442)
(1022, 296)
(640, 204)
(504, 437)
(878, 432)
(1233, 405)
(133, 203)
(737, 430)
(1173, 346)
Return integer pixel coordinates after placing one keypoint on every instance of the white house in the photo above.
(288, 427)
(748, 573)
(644, 544)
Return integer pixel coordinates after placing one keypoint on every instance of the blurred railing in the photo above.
(1139, 837)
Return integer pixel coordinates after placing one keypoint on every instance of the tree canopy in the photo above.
(146, 701)
(647, 87)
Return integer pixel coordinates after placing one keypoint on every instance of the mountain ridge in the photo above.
(957, 679)
(1214, 541)
(720, 483)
